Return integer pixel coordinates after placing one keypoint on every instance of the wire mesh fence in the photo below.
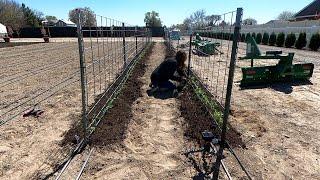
(107, 51)
(45, 77)
(210, 53)
(212, 59)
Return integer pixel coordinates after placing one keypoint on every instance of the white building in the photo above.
(3, 30)
(65, 23)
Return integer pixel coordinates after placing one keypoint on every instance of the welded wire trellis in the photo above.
(108, 50)
(212, 69)
(46, 76)
(212, 58)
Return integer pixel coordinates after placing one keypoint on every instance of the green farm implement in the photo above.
(205, 47)
(283, 71)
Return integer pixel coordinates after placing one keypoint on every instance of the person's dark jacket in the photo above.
(166, 71)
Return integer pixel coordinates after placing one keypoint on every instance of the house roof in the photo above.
(67, 21)
(313, 9)
(276, 21)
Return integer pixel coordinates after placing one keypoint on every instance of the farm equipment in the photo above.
(205, 47)
(284, 71)
(175, 34)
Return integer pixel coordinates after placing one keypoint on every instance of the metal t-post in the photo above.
(190, 51)
(136, 37)
(229, 93)
(124, 45)
(82, 77)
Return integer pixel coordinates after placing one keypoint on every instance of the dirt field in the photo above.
(279, 124)
(47, 73)
(143, 137)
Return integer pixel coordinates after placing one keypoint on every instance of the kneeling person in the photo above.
(172, 68)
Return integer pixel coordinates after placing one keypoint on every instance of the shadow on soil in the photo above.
(168, 94)
(286, 88)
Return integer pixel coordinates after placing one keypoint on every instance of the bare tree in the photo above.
(286, 15)
(152, 19)
(211, 20)
(87, 16)
(11, 15)
(198, 18)
(249, 21)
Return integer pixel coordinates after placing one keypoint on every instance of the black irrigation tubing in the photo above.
(28, 61)
(43, 92)
(25, 62)
(82, 143)
(84, 165)
(2, 122)
(36, 51)
(28, 49)
(228, 145)
(220, 105)
(30, 99)
(35, 72)
(21, 63)
(66, 163)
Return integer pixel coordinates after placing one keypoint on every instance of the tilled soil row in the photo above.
(112, 126)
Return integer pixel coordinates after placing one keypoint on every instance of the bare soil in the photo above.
(279, 123)
(141, 137)
(31, 147)
(12, 44)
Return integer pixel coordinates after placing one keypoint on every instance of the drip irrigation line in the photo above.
(84, 165)
(33, 73)
(227, 143)
(43, 92)
(82, 144)
(32, 51)
(220, 105)
(70, 157)
(2, 122)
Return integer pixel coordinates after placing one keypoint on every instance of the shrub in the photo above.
(253, 35)
(301, 41)
(247, 36)
(265, 38)
(290, 40)
(315, 42)
(272, 39)
(226, 36)
(243, 37)
(280, 39)
(259, 38)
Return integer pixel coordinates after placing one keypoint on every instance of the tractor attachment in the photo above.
(205, 47)
(284, 71)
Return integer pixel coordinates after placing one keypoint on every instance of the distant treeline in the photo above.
(31, 32)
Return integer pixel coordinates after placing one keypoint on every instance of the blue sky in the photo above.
(171, 11)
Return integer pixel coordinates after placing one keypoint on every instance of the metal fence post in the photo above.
(124, 45)
(82, 77)
(229, 93)
(190, 51)
(169, 40)
(136, 37)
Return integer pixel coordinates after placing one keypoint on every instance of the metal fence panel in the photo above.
(108, 51)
